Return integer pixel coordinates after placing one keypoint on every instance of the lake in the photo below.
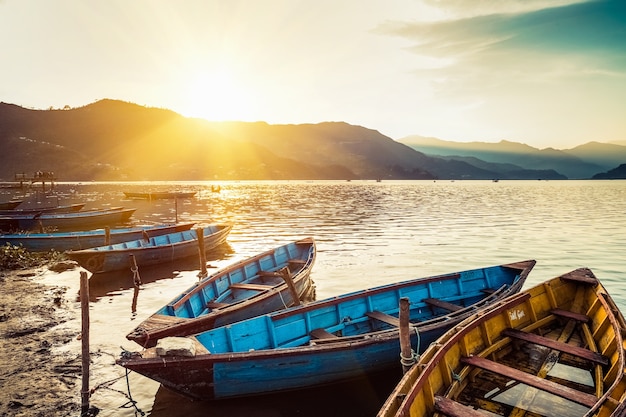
(368, 233)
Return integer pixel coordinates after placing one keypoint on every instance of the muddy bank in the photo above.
(40, 348)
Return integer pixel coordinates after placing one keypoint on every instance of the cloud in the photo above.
(573, 40)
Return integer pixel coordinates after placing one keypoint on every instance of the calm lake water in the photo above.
(367, 234)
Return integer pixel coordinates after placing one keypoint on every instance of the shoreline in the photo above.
(40, 343)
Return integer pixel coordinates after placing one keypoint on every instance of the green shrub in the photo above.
(16, 257)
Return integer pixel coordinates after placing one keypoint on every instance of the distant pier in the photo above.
(23, 180)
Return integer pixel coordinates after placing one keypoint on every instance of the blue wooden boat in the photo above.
(63, 241)
(150, 251)
(322, 342)
(79, 220)
(69, 208)
(556, 349)
(270, 281)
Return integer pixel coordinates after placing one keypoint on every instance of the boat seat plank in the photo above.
(560, 346)
(452, 408)
(296, 261)
(214, 304)
(435, 302)
(386, 318)
(570, 315)
(254, 287)
(321, 333)
(268, 273)
(578, 397)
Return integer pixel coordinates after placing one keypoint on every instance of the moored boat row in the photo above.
(324, 341)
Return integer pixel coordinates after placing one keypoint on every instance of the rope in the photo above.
(281, 299)
(131, 402)
(411, 360)
(136, 277)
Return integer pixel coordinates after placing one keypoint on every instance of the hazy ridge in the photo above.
(115, 140)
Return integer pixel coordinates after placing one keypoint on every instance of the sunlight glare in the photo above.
(216, 96)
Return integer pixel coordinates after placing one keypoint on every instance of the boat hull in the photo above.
(563, 338)
(152, 251)
(326, 341)
(160, 195)
(248, 288)
(63, 241)
(80, 220)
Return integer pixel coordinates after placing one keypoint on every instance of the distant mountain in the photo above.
(578, 163)
(618, 173)
(114, 140)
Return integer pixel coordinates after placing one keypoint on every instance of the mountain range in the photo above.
(112, 140)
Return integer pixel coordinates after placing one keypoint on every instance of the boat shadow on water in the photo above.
(360, 397)
(109, 283)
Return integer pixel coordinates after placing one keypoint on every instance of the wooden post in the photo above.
(107, 235)
(203, 271)
(176, 210)
(286, 275)
(406, 353)
(84, 307)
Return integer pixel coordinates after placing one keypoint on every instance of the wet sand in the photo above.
(40, 347)
(39, 375)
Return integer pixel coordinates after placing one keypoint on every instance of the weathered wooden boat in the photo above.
(151, 251)
(556, 349)
(63, 241)
(79, 220)
(10, 205)
(332, 340)
(158, 195)
(69, 208)
(270, 281)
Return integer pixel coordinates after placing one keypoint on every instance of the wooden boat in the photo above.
(272, 280)
(51, 209)
(325, 341)
(79, 220)
(63, 241)
(556, 349)
(155, 195)
(151, 251)
(10, 205)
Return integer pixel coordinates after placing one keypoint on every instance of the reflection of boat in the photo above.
(322, 342)
(275, 279)
(556, 349)
(79, 220)
(62, 241)
(151, 251)
(36, 210)
(160, 195)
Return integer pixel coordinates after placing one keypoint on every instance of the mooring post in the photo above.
(406, 352)
(200, 233)
(84, 307)
(107, 235)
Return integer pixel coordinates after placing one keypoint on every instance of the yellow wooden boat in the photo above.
(556, 349)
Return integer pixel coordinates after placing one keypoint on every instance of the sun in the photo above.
(216, 96)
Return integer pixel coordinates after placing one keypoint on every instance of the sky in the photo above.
(547, 73)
